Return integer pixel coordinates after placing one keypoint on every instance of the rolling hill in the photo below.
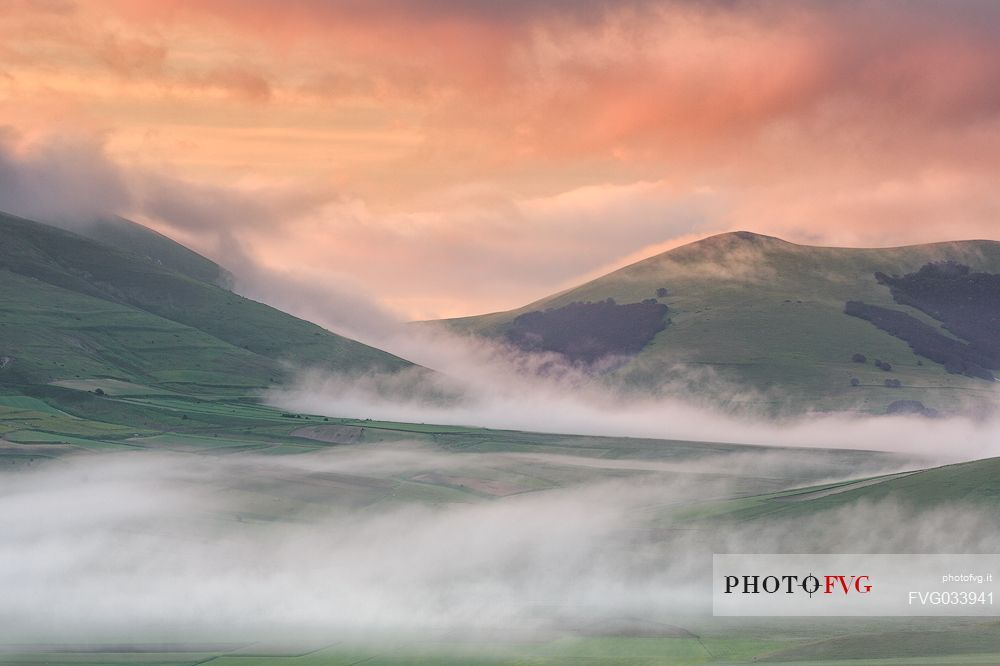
(767, 315)
(141, 308)
(974, 484)
(136, 239)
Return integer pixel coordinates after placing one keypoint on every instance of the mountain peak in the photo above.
(720, 246)
(739, 238)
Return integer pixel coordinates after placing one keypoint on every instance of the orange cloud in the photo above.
(132, 57)
(431, 150)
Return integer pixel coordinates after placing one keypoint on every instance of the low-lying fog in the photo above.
(151, 546)
(405, 537)
(480, 383)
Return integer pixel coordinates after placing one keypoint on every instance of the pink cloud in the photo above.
(487, 153)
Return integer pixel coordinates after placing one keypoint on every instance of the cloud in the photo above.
(65, 179)
(485, 247)
(205, 208)
(132, 57)
(932, 204)
(450, 158)
(245, 83)
(638, 77)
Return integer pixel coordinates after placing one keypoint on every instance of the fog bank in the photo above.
(147, 545)
(486, 383)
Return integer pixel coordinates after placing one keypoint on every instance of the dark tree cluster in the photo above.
(893, 383)
(967, 303)
(855, 381)
(859, 358)
(586, 332)
(662, 292)
(884, 366)
(958, 357)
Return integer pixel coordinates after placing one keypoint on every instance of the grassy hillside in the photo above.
(770, 314)
(72, 308)
(134, 238)
(970, 484)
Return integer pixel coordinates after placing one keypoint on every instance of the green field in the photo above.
(977, 645)
(459, 467)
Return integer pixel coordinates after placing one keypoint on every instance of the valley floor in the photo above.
(484, 531)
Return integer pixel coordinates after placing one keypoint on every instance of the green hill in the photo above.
(769, 315)
(134, 238)
(72, 308)
(970, 484)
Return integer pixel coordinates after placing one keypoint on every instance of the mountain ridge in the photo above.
(766, 314)
(72, 308)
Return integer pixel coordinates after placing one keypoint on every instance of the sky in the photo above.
(453, 157)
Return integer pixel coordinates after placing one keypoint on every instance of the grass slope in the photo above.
(130, 237)
(770, 315)
(72, 308)
(975, 483)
